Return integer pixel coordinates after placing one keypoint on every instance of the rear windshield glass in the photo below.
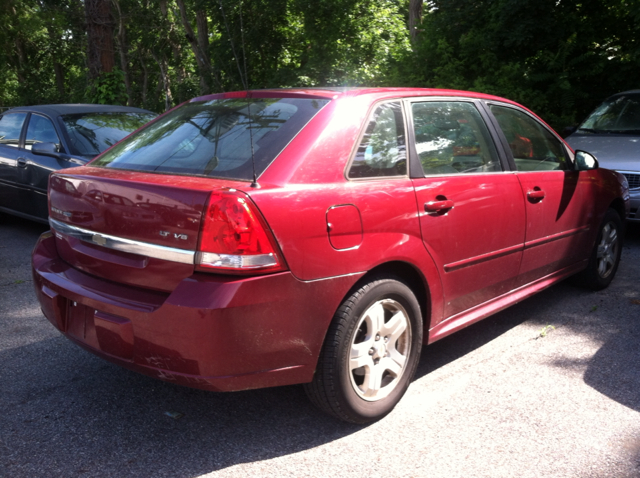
(215, 138)
(91, 133)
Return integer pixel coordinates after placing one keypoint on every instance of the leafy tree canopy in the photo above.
(559, 57)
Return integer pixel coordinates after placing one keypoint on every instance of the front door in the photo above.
(558, 215)
(471, 210)
(34, 176)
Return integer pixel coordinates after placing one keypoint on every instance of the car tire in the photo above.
(370, 353)
(605, 257)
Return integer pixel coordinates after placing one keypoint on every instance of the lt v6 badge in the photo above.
(184, 237)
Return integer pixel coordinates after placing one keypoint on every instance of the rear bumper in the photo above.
(219, 333)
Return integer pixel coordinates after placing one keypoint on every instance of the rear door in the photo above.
(557, 206)
(471, 209)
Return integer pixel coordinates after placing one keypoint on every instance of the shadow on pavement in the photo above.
(73, 414)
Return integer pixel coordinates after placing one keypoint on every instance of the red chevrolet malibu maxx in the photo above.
(318, 236)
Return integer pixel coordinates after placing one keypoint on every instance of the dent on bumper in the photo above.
(213, 332)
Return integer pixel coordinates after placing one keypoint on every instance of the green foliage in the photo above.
(545, 330)
(559, 58)
(38, 37)
(308, 43)
(108, 89)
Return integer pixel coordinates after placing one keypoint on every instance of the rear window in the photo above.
(92, 133)
(215, 138)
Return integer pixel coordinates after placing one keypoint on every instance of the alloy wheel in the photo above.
(379, 350)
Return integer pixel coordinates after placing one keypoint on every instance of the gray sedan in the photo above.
(612, 134)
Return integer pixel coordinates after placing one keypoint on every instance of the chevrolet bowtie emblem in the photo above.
(99, 239)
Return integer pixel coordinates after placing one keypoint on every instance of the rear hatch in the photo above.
(134, 215)
(141, 232)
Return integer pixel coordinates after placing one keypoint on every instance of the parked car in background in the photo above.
(612, 134)
(36, 140)
(318, 236)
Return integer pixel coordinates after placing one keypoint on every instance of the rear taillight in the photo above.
(235, 238)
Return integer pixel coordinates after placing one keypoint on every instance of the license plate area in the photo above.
(80, 324)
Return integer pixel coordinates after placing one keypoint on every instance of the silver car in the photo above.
(612, 134)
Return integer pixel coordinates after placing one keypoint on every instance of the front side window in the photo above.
(220, 138)
(382, 150)
(534, 148)
(452, 138)
(11, 127)
(41, 130)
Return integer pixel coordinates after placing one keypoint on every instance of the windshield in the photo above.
(620, 115)
(215, 138)
(92, 133)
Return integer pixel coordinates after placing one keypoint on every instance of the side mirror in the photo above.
(585, 161)
(46, 149)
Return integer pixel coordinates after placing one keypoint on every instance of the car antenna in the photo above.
(254, 184)
(245, 83)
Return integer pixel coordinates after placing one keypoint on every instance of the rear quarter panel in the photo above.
(308, 179)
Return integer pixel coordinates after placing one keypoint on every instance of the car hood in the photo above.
(613, 152)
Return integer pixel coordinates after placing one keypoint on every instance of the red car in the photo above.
(318, 236)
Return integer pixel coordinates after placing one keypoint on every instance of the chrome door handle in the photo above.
(22, 162)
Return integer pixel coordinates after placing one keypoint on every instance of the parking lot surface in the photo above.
(547, 388)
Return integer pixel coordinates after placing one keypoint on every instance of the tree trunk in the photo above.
(21, 61)
(100, 57)
(59, 71)
(415, 17)
(145, 79)
(203, 34)
(199, 50)
(166, 82)
(122, 48)
(179, 68)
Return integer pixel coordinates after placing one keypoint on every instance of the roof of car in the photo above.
(336, 92)
(65, 109)
(629, 92)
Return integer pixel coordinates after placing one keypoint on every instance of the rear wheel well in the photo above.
(410, 276)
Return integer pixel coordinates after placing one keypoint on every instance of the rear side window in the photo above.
(452, 138)
(10, 128)
(534, 148)
(382, 151)
(215, 138)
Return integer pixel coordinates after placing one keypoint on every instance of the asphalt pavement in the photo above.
(547, 388)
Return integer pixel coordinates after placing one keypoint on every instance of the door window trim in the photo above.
(362, 133)
(23, 130)
(503, 139)
(414, 160)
